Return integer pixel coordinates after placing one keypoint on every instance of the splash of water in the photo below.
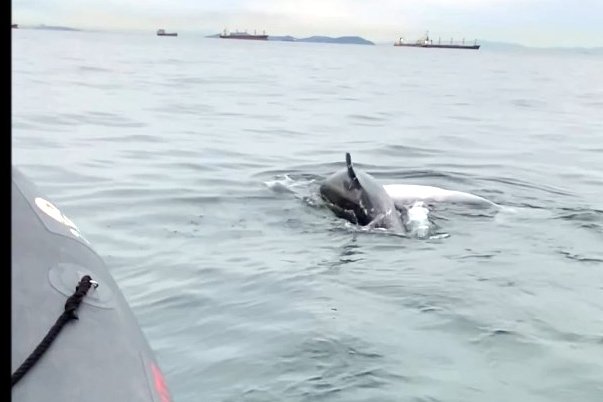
(418, 222)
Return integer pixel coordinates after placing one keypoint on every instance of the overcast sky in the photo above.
(530, 22)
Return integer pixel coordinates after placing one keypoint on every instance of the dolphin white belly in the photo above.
(409, 193)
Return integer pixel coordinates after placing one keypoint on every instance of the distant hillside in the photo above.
(286, 38)
(353, 40)
(53, 28)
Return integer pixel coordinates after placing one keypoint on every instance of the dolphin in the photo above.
(356, 196)
(404, 194)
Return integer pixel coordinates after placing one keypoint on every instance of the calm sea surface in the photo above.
(192, 165)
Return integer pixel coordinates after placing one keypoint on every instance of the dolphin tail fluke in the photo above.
(351, 173)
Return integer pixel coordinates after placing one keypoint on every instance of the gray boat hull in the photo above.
(104, 355)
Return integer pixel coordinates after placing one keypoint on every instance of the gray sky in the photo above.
(530, 22)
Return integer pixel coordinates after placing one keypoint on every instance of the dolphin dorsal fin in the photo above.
(352, 175)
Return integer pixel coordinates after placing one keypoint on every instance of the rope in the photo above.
(71, 305)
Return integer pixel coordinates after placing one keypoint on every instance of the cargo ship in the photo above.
(161, 32)
(426, 41)
(243, 35)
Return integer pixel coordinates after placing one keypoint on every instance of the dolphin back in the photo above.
(354, 182)
(359, 198)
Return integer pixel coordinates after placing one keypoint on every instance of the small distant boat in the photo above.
(427, 42)
(15, 26)
(243, 35)
(161, 32)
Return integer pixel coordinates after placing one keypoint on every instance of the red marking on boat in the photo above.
(160, 384)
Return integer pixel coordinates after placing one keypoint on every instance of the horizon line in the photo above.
(207, 32)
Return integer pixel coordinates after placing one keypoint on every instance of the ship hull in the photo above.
(248, 37)
(441, 46)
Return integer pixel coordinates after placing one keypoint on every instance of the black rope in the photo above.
(71, 305)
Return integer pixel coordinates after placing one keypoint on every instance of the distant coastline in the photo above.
(50, 27)
(346, 40)
(487, 44)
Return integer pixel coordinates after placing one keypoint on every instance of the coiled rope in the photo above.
(71, 305)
